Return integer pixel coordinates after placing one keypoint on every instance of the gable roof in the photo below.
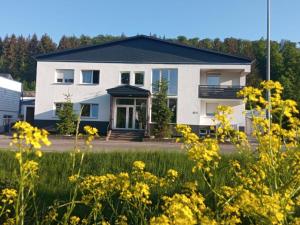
(143, 49)
(128, 91)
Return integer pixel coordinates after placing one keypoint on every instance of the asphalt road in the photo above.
(61, 145)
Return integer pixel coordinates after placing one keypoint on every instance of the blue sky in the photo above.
(192, 18)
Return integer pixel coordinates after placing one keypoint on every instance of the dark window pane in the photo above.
(139, 78)
(96, 77)
(153, 115)
(141, 102)
(125, 78)
(130, 117)
(173, 108)
(86, 110)
(125, 101)
(140, 116)
(121, 117)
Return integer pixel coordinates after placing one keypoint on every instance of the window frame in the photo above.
(125, 72)
(92, 77)
(57, 71)
(139, 72)
(91, 111)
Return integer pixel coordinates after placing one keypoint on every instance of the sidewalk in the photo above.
(62, 145)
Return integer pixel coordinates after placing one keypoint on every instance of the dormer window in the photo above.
(64, 76)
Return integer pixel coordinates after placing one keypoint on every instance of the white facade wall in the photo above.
(10, 92)
(188, 102)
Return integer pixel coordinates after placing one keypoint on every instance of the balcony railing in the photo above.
(219, 91)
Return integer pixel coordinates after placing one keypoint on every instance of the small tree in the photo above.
(161, 114)
(67, 118)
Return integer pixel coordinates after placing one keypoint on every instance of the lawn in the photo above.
(55, 168)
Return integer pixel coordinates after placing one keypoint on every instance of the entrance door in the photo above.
(29, 116)
(125, 117)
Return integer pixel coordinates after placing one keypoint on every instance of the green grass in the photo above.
(55, 168)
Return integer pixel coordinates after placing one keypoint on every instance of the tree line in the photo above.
(16, 56)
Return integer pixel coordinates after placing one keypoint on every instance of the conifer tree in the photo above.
(67, 118)
(161, 114)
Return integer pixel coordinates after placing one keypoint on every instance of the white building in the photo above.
(10, 92)
(113, 82)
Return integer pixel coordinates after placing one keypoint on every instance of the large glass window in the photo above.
(169, 75)
(213, 80)
(125, 78)
(172, 104)
(64, 76)
(90, 76)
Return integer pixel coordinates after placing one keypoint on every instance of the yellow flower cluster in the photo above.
(184, 209)
(8, 195)
(134, 188)
(91, 132)
(204, 153)
(31, 136)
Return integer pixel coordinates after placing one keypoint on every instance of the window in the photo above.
(169, 75)
(211, 109)
(89, 110)
(65, 76)
(213, 80)
(125, 78)
(58, 107)
(172, 102)
(125, 101)
(139, 78)
(90, 76)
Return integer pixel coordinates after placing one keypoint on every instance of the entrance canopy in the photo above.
(128, 91)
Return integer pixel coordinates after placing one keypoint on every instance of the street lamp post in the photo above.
(268, 58)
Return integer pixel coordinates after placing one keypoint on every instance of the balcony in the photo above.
(219, 91)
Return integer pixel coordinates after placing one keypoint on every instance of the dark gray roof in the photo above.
(143, 49)
(6, 75)
(128, 91)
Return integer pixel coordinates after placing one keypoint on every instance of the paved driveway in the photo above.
(67, 144)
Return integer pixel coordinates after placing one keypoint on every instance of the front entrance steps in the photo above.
(126, 135)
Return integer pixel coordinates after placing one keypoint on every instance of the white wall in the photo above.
(47, 92)
(236, 118)
(10, 92)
